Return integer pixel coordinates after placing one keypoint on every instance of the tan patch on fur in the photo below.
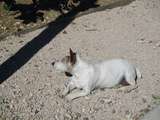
(72, 57)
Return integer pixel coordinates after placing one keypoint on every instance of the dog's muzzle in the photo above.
(68, 74)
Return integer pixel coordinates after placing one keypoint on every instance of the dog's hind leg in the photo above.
(132, 83)
(131, 77)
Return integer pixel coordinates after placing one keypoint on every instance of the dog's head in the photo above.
(66, 64)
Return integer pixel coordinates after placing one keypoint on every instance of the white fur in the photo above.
(100, 75)
(60, 66)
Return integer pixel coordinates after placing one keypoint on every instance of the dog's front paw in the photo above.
(69, 98)
(64, 93)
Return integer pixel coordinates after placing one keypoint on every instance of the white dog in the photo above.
(87, 77)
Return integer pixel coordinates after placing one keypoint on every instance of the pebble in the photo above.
(36, 66)
(144, 100)
(113, 111)
(102, 101)
(96, 109)
(21, 41)
(85, 118)
(150, 41)
(7, 50)
(142, 40)
(83, 110)
(158, 44)
(109, 102)
(2, 86)
(36, 111)
(64, 32)
(77, 115)
(17, 23)
(67, 117)
(21, 27)
(153, 74)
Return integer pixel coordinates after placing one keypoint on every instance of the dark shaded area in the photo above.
(124, 82)
(30, 12)
(20, 58)
(29, 17)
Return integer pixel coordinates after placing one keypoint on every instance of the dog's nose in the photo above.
(53, 63)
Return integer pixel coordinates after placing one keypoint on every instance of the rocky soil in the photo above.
(131, 32)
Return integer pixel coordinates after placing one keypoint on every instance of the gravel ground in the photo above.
(131, 32)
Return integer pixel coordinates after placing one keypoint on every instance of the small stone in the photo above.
(102, 101)
(96, 109)
(144, 100)
(36, 111)
(7, 50)
(18, 29)
(85, 118)
(17, 23)
(83, 110)
(154, 47)
(21, 27)
(73, 23)
(67, 117)
(21, 41)
(127, 112)
(145, 110)
(142, 39)
(64, 32)
(158, 44)
(35, 65)
(30, 94)
(113, 111)
(2, 86)
(102, 89)
(78, 114)
(153, 74)
(24, 100)
(4, 28)
(11, 106)
(150, 41)
(109, 102)
(133, 25)
(49, 76)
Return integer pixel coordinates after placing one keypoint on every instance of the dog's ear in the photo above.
(72, 56)
(71, 51)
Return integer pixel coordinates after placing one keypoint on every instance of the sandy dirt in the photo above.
(131, 32)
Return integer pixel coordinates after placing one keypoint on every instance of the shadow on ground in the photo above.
(12, 64)
(31, 13)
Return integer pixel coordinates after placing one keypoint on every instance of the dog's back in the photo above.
(112, 72)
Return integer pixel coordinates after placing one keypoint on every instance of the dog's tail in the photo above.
(139, 75)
